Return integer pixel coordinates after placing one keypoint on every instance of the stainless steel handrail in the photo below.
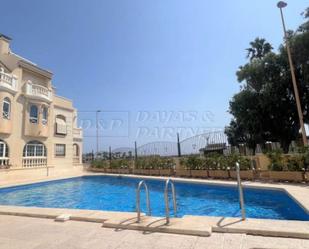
(240, 192)
(138, 200)
(167, 208)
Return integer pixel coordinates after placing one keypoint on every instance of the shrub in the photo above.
(100, 164)
(244, 162)
(193, 162)
(306, 157)
(215, 162)
(295, 163)
(276, 160)
(121, 164)
(154, 162)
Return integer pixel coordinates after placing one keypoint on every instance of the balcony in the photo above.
(4, 163)
(78, 134)
(38, 92)
(8, 82)
(32, 162)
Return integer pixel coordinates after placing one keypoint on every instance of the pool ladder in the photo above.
(138, 200)
(168, 183)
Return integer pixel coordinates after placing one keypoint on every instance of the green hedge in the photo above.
(121, 164)
(114, 164)
(290, 162)
(154, 162)
(100, 164)
(215, 162)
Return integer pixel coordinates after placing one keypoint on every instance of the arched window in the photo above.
(6, 109)
(34, 113)
(4, 149)
(75, 150)
(34, 149)
(44, 115)
(61, 126)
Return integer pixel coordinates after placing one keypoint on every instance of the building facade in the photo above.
(38, 129)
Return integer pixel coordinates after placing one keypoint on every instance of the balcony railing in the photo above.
(8, 82)
(78, 133)
(38, 92)
(32, 162)
(4, 163)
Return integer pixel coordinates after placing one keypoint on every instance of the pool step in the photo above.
(156, 224)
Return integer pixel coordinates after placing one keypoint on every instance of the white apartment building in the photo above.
(38, 129)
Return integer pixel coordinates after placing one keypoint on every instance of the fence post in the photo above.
(92, 156)
(110, 156)
(135, 150)
(178, 145)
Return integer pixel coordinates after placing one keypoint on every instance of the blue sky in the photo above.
(152, 67)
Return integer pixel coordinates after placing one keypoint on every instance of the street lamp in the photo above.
(97, 127)
(282, 5)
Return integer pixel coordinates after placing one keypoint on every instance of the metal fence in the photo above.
(199, 144)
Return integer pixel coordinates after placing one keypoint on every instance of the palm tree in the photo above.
(259, 48)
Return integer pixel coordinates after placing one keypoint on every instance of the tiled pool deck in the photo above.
(38, 233)
(189, 225)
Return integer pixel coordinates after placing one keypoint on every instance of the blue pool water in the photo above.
(119, 194)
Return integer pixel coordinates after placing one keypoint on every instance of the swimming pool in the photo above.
(114, 193)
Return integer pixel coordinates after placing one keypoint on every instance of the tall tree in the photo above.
(265, 109)
(259, 48)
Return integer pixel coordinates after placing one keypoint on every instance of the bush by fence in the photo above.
(215, 162)
(289, 162)
(154, 162)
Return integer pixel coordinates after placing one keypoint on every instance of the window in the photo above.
(44, 115)
(75, 150)
(6, 110)
(33, 114)
(34, 149)
(61, 126)
(60, 150)
(4, 150)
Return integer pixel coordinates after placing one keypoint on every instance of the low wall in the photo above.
(289, 176)
(11, 176)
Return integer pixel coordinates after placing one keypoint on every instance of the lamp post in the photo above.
(97, 127)
(282, 5)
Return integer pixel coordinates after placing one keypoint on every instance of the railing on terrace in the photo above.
(4, 162)
(31, 162)
(38, 91)
(8, 81)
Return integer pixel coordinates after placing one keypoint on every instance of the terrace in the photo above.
(38, 92)
(8, 82)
